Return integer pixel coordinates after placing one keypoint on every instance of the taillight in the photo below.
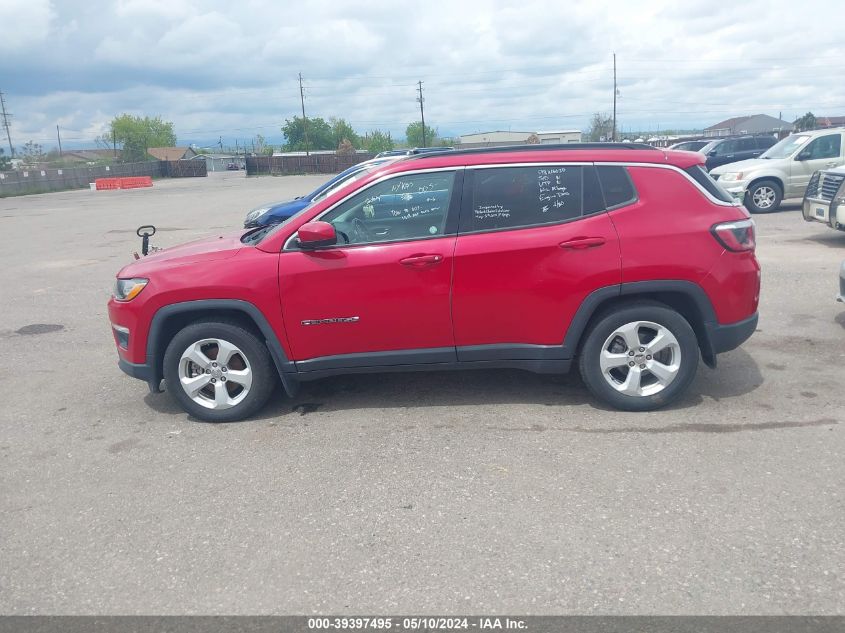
(735, 236)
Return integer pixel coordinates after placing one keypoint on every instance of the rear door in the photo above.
(747, 148)
(534, 240)
(764, 142)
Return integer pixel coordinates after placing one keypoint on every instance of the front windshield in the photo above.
(261, 234)
(787, 147)
(356, 175)
(708, 147)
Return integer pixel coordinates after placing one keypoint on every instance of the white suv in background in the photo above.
(784, 170)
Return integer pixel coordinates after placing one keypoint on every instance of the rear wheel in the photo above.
(763, 196)
(639, 357)
(218, 371)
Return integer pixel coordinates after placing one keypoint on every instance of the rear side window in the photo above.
(713, 188)
(765, 142)
(511, 197)
(616, 185)
(746, 145)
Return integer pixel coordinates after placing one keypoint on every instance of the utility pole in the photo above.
(6, 124)
(613, 134)
(59, 136)
(422, 113)
(304, 120)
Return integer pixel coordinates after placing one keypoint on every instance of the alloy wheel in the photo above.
(640, 358)
(763, 197)
(215, 373)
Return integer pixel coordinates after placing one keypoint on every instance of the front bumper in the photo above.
(141, 372)
(724, 338)
(824, 211)
(736, 188)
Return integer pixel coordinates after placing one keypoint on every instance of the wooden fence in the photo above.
(26, 181)
(314, 164)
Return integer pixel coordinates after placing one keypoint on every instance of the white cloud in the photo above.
(218, 65)
(24, 24)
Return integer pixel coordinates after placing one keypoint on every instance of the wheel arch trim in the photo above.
(593, 302)
(207, 307)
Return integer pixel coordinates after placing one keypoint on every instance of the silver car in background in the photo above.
(784, 170)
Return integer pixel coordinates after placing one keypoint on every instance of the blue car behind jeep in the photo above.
(278, 212)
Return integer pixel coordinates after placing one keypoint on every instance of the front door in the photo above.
(823, 152)
(381, 295)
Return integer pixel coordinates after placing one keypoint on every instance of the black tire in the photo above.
(759, 188)
(253, 350)
(605, 324)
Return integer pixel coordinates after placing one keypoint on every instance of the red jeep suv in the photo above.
(627, 260)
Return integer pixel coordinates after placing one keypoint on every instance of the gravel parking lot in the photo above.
(474, 492)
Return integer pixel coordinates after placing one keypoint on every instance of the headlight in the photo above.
(253, 215)
(731, 176)
(128, 289)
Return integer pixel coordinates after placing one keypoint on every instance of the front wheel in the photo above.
(640, 357)
(218, 371)
(763, 196)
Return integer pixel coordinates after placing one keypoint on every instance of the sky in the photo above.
(230, 69)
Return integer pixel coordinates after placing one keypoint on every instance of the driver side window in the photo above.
(405, 207)
(824, 147)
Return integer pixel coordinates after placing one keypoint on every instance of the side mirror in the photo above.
(712, 152)
(803, 155)
(316, 234)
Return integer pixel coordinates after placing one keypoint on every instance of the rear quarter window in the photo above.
(700, 176)
(616, 185)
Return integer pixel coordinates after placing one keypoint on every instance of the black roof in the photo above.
(535, 147)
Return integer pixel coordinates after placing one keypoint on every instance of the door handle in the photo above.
(421, 261)
(580, 243)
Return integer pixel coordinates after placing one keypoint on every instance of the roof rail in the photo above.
(534, 148)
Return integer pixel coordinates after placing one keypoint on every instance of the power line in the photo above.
(304, 120)
(613, 133)
(422, 113)
(6, 116)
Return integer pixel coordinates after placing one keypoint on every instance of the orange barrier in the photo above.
(107, 183)
(135, 182)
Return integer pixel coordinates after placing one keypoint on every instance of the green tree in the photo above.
(345, 148)
(260, 144)
(136, 135)
(31, 153)
(601, 127)
(414, 135)
(806, 122)
(5, 161)
(342, 130)
(319, 134)
(377, 141)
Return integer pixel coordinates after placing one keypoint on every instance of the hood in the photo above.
(203, 250)
(743, 165)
